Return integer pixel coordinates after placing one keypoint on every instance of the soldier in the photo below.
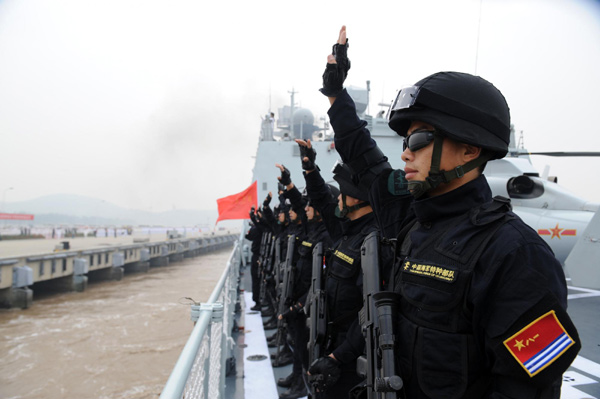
(482, 299)
(254, 235)
(349, 219)
(314, 232)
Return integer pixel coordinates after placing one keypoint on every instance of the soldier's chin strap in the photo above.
(347, 209)
(437, 176)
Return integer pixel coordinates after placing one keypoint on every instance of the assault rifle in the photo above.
(286, 290)
(267, 280)
(262, 262)
(378, 327)
(317, 309)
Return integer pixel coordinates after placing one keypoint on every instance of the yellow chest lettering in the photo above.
(432, 271)
(344, 257)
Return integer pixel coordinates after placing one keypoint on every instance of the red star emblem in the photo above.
(556, 232)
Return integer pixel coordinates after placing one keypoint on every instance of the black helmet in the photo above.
(335, 192)
(342, 174)
(466, 108)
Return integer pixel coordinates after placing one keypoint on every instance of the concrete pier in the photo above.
(137, 267)
(16, 298)
(159, 261)
(70, 270)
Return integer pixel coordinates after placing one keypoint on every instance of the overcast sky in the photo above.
(156, 105)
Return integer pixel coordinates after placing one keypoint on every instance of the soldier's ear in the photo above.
(470, 152)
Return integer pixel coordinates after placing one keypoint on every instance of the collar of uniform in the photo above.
(356, 225)
(455, 202)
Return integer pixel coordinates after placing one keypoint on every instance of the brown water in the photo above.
(118, 339)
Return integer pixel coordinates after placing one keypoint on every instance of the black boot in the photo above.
(297, 390)
(283, 359)
(256, 307)
(287, 381)
(270, 324)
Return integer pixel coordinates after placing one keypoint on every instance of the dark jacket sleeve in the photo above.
(295, 198)
(353, 346)
(352, 138)
(269, 217)
(323, 201)
(516, 308)
(352, 141)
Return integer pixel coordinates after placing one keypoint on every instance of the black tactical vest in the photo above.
(437, 346)
(344, 284)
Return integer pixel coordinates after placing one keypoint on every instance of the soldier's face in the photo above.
(293, 215)
(418, 163)
(350, 201)
(310, 212)
(281, 217)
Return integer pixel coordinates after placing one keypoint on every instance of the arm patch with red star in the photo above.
(539, 344)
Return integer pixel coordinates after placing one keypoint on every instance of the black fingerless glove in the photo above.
(292, 310)
(267, 201)
(286, 179)
(309, 153)
(335, 74)
(324, 372)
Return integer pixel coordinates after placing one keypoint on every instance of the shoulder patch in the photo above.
(539, 344)
(397, 184)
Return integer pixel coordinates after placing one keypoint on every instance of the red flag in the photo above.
(237, 206)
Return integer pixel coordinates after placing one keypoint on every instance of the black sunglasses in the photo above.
(418, 140)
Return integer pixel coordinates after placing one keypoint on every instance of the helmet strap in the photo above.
(348, 209)
(437, 176)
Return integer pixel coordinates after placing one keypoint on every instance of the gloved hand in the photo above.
(324, 372)
(292, 310)
(310, 154)
(337, 68)
(267, 200)
(285, 178)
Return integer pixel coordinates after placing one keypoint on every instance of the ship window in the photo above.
(91, 260)
(524, 187)
(125, 255)
(53, 266)
(99, 258)
(264, 186)
(106, 258)
(64, 264)
(41, 268)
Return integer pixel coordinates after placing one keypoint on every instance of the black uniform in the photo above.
(314, 232)
(255, 236)
(343, 283)
(482, 297)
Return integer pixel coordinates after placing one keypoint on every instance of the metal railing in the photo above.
(200, 369)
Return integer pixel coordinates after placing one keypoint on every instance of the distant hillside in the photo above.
(77, 209)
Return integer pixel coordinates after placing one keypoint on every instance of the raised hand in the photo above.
(285, 177)
(307, 155)
(337, 67)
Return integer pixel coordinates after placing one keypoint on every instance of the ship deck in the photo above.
(256, 379)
